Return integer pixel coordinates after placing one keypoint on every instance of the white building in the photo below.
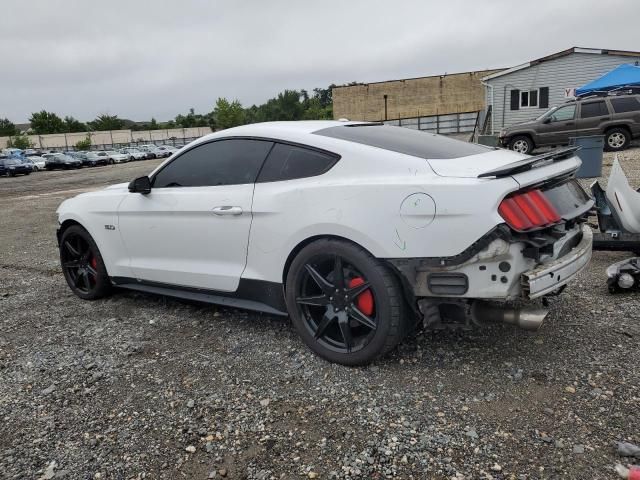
(528, 90)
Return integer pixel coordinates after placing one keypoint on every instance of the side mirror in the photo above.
(547, 120)
(140, 185)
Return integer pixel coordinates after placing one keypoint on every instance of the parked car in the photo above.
(117, 157)
(358, 231)
(615, 117)
(13, 166)
(60, 160)
(152, 150)
(134, 153)
(38, 162)
(30, 152)
(167, 150)
(92, 159)
(13, 152)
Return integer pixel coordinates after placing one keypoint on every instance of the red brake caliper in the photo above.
(93, 262)
(364, 302)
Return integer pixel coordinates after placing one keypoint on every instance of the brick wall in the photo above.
(460, 92)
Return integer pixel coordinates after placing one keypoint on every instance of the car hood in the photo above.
(473, 165)
(118, 186)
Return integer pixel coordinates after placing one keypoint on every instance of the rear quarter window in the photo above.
(625, 104)
(404, 140)
(594, 109)
(288, 162)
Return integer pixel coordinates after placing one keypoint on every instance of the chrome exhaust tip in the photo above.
(527, 318)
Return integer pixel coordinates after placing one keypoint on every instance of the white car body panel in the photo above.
(394, 205)
(175, 236)
(624, 199)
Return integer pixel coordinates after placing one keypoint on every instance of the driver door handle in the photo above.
(227, 210)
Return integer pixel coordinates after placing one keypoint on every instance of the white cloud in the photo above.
(142, 59)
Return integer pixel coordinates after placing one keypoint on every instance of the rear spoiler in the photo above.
(531, 162)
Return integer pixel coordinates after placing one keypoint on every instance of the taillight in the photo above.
(528, 211)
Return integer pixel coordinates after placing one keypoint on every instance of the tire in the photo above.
(616, 139)
(111, 162)
(382, 325)
(89, 279)
(35, 169)
(27, 173)
(521, 144)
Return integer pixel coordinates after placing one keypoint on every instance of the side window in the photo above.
(563, 114)
(224, 162)
(593, 109)
(287, 162)
(625, 104)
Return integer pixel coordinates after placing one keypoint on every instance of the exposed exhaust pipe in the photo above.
(527, 318)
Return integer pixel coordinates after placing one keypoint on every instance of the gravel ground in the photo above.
(140, 386)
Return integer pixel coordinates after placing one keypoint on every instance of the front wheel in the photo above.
(82, 264)
(346, 305)
(616, 139)
(521, 144)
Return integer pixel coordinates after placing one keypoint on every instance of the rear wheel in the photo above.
(521, 144)
(616, 139)
(345, 304)
(82, 264)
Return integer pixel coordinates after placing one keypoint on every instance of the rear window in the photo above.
(626, 104)
(404, 140)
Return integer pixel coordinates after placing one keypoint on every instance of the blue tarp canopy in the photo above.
(622, 76)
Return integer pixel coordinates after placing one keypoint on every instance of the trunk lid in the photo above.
(525, 169)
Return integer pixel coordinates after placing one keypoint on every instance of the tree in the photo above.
(7, 128)
(106, 122)
(44, 122)
(84, 144)
(19, 141)
(193, 119)
(73, 126)
(227, 114)
(153, 125)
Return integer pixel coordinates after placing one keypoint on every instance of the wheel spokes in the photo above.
(345, 330)
(71, 249)
(357, 290)
(361, 318)
(314, 300)
(71, 264)
(322, 326)
(323, 283)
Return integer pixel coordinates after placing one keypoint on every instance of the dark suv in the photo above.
(615, 117)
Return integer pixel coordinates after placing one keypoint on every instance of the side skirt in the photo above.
(257, 295)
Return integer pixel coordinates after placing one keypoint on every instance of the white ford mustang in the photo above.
(359, 231)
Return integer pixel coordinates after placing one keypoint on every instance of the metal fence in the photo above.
(449, 123)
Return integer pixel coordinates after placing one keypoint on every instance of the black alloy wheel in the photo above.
(82, 264)
(345, 304)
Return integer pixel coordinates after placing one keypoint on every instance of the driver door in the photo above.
(192, 229)
(558, 127)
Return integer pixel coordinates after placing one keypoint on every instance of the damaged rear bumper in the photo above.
(551, 276)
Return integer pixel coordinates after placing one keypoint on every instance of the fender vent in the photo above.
(448, 283)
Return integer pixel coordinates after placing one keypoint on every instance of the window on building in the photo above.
(593, 109)
(529, 98)
(625, 104)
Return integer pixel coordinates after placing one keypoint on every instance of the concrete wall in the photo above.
(570, 71)
(415, 97)
(68, 140)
